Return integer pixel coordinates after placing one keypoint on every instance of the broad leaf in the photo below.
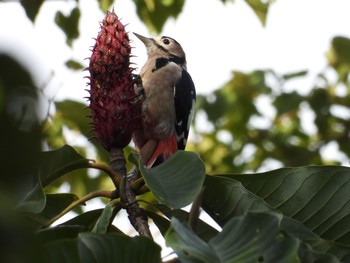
(316, 196)
(59, 232)
(203, 230)
(105, 248)
(34, 202)
(225, 198)
(235, 200)
(87, 219)
(65, 250)
(255, 237)
(104, 221)
(54, 164)
(177, 181)
(55, 203)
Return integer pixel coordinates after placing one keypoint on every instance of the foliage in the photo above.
(296, 214)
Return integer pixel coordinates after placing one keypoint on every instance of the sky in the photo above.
(217, 39)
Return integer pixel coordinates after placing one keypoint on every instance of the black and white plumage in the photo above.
(170, 95)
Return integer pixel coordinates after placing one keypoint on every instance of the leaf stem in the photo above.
(102, 193)
(114, 175)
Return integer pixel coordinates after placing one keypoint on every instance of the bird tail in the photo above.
(164, 149)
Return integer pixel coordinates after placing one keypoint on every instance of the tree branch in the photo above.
(136, 215)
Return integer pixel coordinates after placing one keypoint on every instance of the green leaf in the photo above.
(177, 181)
(260, 8)
(109, 247)
(235, 200)
(293, 75)
(155, 13)
(65, 250)
(34, 202)
(225, 198)
(54, 164)
(339, 57)
(203, 230)
(73, 64)
(105, 5)
(255, 237)
(340, 51)
(316, 196)
(59, 232)
(87, 219)
(103, 222)
(69, 24)
(55, 204)
(32, 8)
(288, 102)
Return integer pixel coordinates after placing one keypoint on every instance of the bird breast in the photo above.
(158, 108)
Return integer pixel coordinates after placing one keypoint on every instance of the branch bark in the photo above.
(136, 214)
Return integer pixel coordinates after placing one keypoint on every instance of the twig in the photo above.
(107, 194)
(114, 175)
(195, 210)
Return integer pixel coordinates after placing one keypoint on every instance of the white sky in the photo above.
(217, 38)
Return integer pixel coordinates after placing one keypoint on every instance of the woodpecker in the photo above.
(168, 107)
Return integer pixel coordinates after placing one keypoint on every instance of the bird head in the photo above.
(164, 46)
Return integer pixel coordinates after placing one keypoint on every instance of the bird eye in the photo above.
(166, 41)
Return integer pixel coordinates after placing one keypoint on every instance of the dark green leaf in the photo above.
(316, 196)
(255, 237)
(177, 181)
(203, 230)
(103, 222)
(340, 47)
(161, 222)
(73, 64)
(87, 219)
(59, 251)
(108, 247)
(288, 102)
(59, 232)
(293, 75)
(339, 57)
(34, 202)
(55, 203)
(225, 198)
(54, 164)
(32, 8)
(155, 13)
(69, 24)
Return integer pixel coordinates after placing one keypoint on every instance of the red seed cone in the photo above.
(114, 104)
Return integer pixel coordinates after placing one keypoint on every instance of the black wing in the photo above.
(184, 100)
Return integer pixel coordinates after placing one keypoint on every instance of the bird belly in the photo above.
(158, 107)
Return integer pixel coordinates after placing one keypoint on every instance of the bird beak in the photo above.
(145, 40)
